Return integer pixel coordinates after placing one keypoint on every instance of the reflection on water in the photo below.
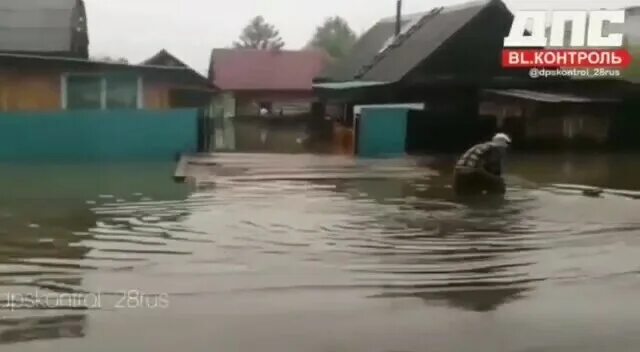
(300, 252)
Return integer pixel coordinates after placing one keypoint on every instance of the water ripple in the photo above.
(391, 228)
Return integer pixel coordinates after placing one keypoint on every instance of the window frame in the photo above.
(64, 84)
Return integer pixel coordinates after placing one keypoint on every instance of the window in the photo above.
(101, 92)
(84, 92)
(122, 93)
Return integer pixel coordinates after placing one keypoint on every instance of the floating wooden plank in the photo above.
(235, 167)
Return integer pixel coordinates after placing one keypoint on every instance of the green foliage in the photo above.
(259, 34)
(335, 37)
(633, 71)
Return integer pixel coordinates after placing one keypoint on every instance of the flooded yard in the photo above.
(320, 253)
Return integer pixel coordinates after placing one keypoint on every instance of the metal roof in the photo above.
(363, 51)
(36, 25)
(419, 41)
(380, 55)
(254, 69)
(549, 97)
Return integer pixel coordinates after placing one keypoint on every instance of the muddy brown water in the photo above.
(318, 253)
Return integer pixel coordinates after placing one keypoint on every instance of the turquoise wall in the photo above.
(98, 135)
(382, 132)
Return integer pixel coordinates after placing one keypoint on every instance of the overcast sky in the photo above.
(136, 29)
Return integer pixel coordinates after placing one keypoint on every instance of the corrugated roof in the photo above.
(381, 56)
(36, 25)
(253, 69)
(420, 41)
(549, 97)
(365, 48)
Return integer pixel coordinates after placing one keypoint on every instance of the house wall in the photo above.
(156, 96)
(540, 122)
(290, 102)
(41, 92)
(569, 127)
(29, 91)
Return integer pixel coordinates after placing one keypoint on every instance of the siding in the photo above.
(594, 128)
(41, 92)
(156, 96)
(29, 91)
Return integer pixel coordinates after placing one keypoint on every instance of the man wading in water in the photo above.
(479, 170)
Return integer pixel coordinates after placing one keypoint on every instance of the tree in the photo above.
(259, 34)
(335, 37)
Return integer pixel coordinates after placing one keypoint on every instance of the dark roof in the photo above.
(164, 58)
(367, 46)
(389, 60)
(253, 69)
(174, 75)
(43, 27)
(419, 41)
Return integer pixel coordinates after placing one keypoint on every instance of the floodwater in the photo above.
(320, 253)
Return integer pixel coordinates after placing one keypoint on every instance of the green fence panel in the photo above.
(382, 132)
(98, 135)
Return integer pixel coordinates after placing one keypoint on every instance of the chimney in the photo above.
(398, 17)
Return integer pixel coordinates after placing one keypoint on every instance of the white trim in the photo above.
(64, 97)
(103, 93)
(63, 91)
(140, 95)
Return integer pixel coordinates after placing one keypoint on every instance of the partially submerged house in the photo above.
(279, 82)
(595, 111)
(57, 108)
(44, 27)
(539, 119)
(45, 83)
(55, 104)
(439, 73)
(200, 95)
(438, 59)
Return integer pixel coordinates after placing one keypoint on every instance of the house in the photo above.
(438, 60)
(551, 118)
(45, 84)
(274, 82)
(596, 112)
(197, 95)
(56, 104)
(449, 61)
(44, 27)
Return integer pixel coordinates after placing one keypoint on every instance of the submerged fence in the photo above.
(131, 135)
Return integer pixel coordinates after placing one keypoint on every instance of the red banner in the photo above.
(544, 58)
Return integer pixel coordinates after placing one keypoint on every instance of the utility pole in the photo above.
(398, 17)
